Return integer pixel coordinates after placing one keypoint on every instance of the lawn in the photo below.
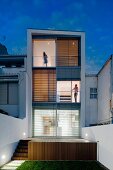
(60, 165)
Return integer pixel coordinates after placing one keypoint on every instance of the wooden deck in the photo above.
(62, 149)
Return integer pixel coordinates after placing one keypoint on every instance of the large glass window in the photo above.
(56, 123)
(68, 123)
(44, 53)
(68, 91)
(44, 123)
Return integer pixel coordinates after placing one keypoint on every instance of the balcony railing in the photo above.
(67, 61)
(52, 61)
(67, 97)
(38, 61)
(62, 97)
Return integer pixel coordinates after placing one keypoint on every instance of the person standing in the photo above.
(75, 92)
(45, 58)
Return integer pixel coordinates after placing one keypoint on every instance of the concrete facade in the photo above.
(33, 32)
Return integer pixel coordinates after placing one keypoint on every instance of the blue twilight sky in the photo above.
(95, 17)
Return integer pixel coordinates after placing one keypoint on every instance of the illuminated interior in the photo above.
(56, 123)
(40, 46)
(65, 91)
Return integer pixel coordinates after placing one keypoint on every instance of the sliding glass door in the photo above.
(55, 123)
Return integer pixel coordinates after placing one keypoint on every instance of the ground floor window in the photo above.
(56, 123)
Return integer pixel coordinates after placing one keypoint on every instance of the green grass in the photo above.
(60, 165)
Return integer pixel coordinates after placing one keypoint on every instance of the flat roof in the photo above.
(52, 29)
(9, 60)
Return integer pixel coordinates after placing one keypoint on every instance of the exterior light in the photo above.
(3, 157)
(73, 43)
(86, 134)
(48, 43)
(24, 134)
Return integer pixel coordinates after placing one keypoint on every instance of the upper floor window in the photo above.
(59, 52)
(44, 53)
(93, 93)
(68, 91)
(68, 52)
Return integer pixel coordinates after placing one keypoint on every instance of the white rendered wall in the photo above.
(102, 134)
(22, 95)
(11, 131)
(91, 104)
(104, 93)
(20, 109)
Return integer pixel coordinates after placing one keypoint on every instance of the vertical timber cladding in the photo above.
(44, 85)
(67, 52)
(62, 150)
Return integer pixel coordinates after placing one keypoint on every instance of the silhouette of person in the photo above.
(75, 92)
(45, 58)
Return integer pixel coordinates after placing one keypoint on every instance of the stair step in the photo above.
(22, 147)
(19, 158)
(21, 152)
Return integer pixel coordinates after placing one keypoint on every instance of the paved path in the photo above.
(12, 165)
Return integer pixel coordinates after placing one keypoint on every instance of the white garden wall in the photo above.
(102, 134)
(11, 131)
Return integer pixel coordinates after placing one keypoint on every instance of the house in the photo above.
(47, 95)
(52, 107)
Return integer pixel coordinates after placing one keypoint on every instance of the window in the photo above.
(55, 122)
(66, 92)
(44, 85)
(9, 93)
(93, 93)
(39, 48)
(67, 52)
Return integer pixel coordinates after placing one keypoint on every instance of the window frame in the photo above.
(93, 93)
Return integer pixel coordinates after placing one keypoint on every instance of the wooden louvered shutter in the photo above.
(67, 52)
(62, 52)
(73, 52)
(44, 85)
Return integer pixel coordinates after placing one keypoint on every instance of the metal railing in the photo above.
(68, 96)
(53, 61)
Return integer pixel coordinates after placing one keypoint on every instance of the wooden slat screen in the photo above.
(67, 52)
(44, 85)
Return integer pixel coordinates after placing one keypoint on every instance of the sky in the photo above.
(94, 17)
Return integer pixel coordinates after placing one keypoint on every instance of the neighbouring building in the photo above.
(99, 95)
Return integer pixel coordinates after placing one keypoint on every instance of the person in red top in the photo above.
(75, 89)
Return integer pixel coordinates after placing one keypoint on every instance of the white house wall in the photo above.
(20, 109)
(104, 93)
(91, 104)
(31, 32)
